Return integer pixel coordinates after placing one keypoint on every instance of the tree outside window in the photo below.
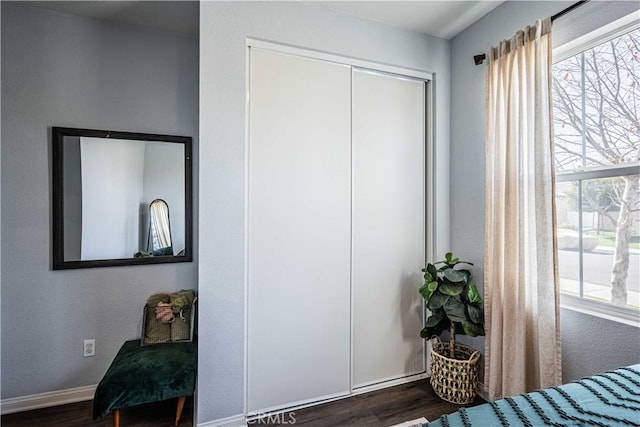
(596, 95)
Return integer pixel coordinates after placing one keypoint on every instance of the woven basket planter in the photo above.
(454, 380)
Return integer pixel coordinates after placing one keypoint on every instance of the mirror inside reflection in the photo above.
(159, 240)
(122, 198)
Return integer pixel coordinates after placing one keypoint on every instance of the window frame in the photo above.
(580, 44)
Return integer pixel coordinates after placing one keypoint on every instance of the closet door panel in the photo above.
(388, 226)
(299, 207)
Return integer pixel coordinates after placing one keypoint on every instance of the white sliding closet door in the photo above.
(388, 226)
(299, 236)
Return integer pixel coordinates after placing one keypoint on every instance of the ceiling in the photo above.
(443, 19)
(178, 17)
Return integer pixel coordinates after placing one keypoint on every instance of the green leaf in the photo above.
(455, 310)
(435, 318)
(475, 314)
(450, 259)
(424, 333)
(430, 331)
(431, 269)
(428, 289)
(472, 329)
(451, 289)
(427, 275)
(467, 274)
(454, 275)
(433, 285)
(437, 300)
(473, 295)
(425, 292)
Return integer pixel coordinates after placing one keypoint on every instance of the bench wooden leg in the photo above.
(179, 409)
(116, 418)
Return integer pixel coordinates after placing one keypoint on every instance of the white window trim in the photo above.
(631, 168)
(598, 309)
(596, 37)
(607, 32)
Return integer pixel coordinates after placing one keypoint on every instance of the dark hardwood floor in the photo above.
(378, 408)
(385, 407)
(80, 415)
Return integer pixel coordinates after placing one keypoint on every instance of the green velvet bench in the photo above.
(146, 374)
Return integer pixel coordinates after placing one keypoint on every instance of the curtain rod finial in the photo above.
(478, 59)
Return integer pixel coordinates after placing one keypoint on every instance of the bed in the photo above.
(608, 400)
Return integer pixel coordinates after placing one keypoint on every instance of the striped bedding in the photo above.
(607, 400)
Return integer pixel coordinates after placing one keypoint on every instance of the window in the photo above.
(596, 95)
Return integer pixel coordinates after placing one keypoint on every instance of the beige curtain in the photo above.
(522, 346)
(160, 223)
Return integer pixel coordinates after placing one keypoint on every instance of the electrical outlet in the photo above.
(89, 348)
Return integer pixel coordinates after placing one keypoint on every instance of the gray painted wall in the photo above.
(67, 71)
(224, 27)
(590, 344)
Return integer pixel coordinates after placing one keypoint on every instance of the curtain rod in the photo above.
(478, 59)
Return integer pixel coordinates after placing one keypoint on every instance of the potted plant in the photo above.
(456, 306)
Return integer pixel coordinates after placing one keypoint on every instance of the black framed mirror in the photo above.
(112, 194)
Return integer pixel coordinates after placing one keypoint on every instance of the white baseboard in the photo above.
(45, 400)
(241, 420)
(235, 421)
(389, 383)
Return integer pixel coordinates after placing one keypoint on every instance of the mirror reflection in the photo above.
(115, 196)
(159, 241)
